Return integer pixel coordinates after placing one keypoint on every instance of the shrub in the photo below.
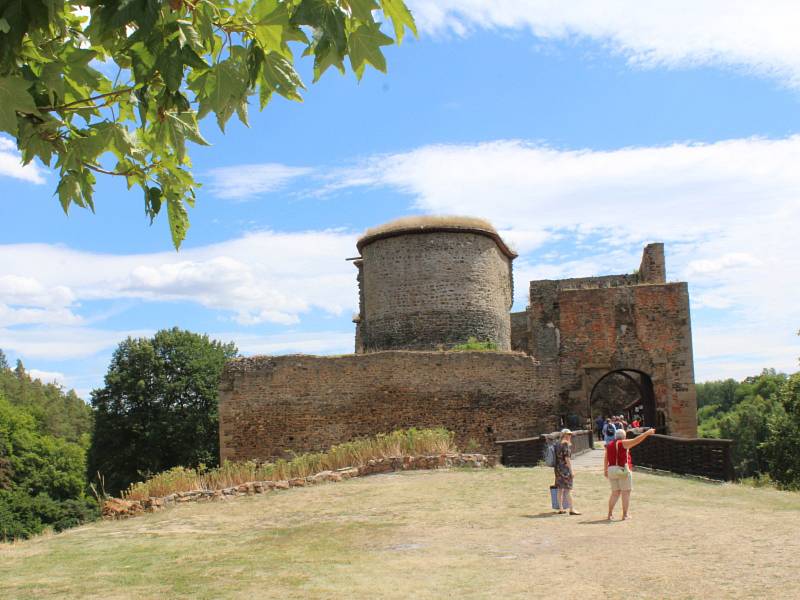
(473, 345)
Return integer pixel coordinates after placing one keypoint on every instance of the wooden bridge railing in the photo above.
(711, 458)
(528, 452)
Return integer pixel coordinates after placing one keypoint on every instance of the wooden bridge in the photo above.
(703, 457)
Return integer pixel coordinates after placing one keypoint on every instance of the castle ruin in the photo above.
(429, 284)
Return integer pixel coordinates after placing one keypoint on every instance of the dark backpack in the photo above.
(609, 430)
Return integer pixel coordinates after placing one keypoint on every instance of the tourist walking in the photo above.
(609, 429)
(564, 473)
(618, 469)
(598, 425)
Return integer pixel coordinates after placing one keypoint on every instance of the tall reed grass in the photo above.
(404, 442)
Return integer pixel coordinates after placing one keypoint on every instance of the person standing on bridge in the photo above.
(618, 469)
(564, 473)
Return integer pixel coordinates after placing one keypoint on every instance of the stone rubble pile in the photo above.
(117, 508)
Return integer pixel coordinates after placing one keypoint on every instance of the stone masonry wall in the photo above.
(646, 328)
(271, 405)
(424, 291)
(519, 332)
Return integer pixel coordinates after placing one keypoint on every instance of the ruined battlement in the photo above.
(428, 284)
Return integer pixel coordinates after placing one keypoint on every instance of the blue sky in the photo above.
(581, 132)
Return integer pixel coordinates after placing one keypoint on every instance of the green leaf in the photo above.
(52, 78)
(178, 220)
(362, 9)
(279, 76)
(76, 187)
(365, 47)
(223, 89)
(328, 19)
(152, 202)
(14, 97)
(401, 17)
(271, 20)
(68, 190)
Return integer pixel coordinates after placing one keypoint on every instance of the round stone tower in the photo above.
(433, 282)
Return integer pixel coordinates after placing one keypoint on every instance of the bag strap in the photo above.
(619, 447)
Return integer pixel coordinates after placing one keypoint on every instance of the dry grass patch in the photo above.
(458, 533)
(428, 221)
(403, 442)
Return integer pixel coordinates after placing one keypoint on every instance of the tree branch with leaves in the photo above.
(176, 61)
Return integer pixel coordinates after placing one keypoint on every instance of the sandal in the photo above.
(574, 512)
(561, 512)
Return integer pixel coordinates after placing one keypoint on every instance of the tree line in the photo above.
(44, 437)
(157, 409)
(59, 456)
(762, 415)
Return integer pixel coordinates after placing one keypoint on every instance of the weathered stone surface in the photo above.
(310, 403)
(431, 289)
(590, 327)
(428, 290)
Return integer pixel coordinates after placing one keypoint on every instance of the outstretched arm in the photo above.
(628, 444)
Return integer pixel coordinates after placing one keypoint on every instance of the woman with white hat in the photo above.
(564, 473)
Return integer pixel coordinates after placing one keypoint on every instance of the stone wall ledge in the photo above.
(118, 508)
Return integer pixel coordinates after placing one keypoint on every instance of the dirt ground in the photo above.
(446, 534)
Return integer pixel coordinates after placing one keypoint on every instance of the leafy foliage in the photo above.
(762, 415)
(56, 412)
(158, 407)
(781, 449)
(118, 87)
(42, 477)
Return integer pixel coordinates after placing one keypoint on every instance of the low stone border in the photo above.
(117, 508)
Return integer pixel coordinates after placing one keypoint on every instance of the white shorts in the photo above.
(620, 478)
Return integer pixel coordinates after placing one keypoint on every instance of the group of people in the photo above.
(605, 427)
(617, 466)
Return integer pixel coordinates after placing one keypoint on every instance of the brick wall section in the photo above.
(519, 332)
(644, 327)
(308, 403)
(425, 291)
(653, 268)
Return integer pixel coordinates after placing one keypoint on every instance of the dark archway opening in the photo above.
(626, 392)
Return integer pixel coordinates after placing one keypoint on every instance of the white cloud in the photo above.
(729, 213)
(20, 289)
(47, 376)
(262, 277)
(242, 182)
(670, 33)
(11, 164)
(304, 342)
(62, 343)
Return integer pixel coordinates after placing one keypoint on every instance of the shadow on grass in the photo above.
(543, 515)
(597, 522)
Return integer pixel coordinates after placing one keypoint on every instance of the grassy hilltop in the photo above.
(458, 534)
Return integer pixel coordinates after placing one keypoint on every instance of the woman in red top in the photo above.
(617, 467)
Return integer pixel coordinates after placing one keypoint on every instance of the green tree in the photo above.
(57, 413)
(3, 361)
(173, 62)
(158, 407)
(781, 449)
(720, 393)
(748, 425)
(42, 477)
